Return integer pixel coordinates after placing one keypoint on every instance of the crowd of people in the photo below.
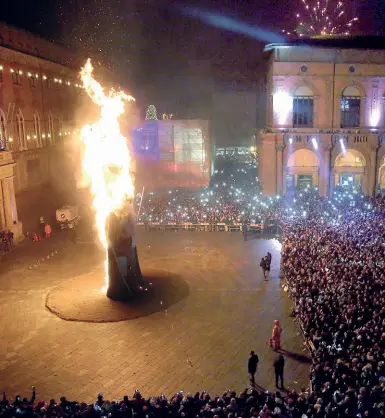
(333, 258)
(233, 196)
(7, 239)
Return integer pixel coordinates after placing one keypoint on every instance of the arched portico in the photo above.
(350, 169)
(302, 169)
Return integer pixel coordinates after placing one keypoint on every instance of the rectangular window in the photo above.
(304, 181)
(350, 111)
(16, 78)
(32, 81)
(303, 111)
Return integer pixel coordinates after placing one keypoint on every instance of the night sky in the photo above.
(149, 43)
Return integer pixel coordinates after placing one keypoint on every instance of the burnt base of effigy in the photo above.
(83, 298)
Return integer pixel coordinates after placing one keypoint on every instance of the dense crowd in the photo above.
(233, 196)
(333, 258)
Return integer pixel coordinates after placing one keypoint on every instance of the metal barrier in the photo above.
(207, 227)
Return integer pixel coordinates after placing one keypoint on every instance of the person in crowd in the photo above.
(263, 266)
(47, 230)
(11, 237)
(275, 340)
(268, 261)
(279, 365)
(36, 237)
(252, 366)
(6, 241)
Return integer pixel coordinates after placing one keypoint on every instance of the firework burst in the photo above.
(323, 17)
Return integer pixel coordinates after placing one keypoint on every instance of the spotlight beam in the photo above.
(220, 21)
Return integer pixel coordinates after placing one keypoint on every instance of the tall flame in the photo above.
(106, 160)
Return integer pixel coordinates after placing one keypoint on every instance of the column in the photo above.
(372, 173)
(13, 199)
(2, 213)
(7, 203)
(325, 172)
(279, 169)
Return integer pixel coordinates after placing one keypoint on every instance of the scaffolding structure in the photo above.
(182, 154)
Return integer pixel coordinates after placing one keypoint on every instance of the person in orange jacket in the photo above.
(47, 230)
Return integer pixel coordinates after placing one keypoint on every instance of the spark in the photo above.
(323, 17)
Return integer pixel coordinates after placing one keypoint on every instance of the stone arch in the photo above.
(356, 85)
(350, 158)
(303, 158)
(304, 83)
(302, 169)
(350, 169)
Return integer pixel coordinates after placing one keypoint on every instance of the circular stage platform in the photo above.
(82, 298)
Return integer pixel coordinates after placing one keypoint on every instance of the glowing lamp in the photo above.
(10, 139)
(12, 70)
(314, 142)
(290, 141)
(374, 118)
(1, 68)
(20, 72)
(44, 77)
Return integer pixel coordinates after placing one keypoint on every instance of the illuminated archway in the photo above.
(349, 168)
(302, 169)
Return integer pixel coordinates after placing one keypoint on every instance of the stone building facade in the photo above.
(39, 93)
(325, 116)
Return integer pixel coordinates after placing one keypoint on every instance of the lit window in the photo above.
(16, 78)
(350, 108)
(33, 81)
(20, 131)
(303, 107)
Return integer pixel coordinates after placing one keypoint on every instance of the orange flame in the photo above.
(106, 160)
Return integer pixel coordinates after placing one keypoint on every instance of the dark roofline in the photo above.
(344, 42)
(39, 37)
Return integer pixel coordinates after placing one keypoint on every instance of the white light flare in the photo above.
(282, 104)
(106, 160)
(375, 117)
(343, 148)
(314, 142)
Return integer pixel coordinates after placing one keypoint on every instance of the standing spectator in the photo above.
(279, 366)
(275, 340)
(244, 230)
(47, 230)
(11, 236)
(252, 366)
(6, 241)
(263, 265)
(268, 261)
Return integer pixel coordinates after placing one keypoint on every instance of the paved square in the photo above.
(201, 343)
